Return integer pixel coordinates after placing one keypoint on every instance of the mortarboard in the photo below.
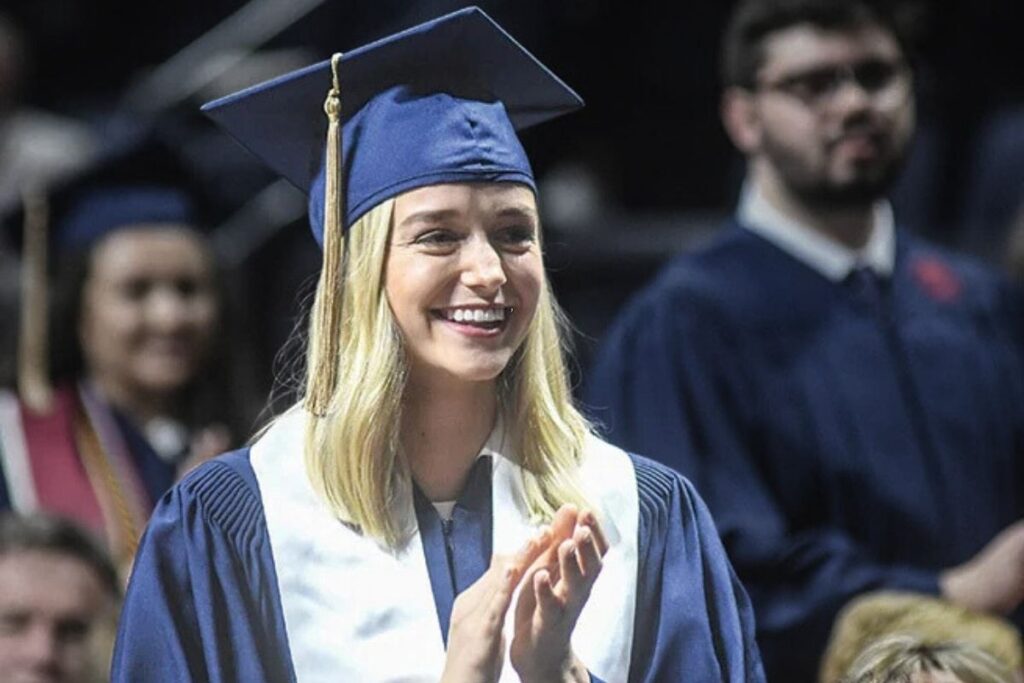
(437, 103)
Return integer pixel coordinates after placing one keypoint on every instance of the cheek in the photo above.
(526, 275)
(106, 321)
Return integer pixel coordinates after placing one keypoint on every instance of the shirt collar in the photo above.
(821, 253)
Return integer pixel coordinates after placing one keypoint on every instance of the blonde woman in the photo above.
(436, 509)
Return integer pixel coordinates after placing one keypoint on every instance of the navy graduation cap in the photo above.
(439, 102)
(139, 181)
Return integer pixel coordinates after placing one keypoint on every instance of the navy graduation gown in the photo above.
(847, 437)
(203, 604)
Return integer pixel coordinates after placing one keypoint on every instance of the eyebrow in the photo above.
(441, 215)
(520, 210)
(429, 217)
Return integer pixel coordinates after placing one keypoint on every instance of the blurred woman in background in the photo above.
(136, 397)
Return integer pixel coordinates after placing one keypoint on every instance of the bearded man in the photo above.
(848, 398)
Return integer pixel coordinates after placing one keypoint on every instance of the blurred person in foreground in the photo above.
(848, 398)
(131, 392)
(59, 595)
(436, 508)
(880, 615)
(909, 659)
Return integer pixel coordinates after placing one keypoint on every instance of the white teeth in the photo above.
(476, 315)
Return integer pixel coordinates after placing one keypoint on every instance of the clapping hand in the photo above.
(555, 589)
(557, 568)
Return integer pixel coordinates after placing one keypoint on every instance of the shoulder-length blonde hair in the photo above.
(352, 453)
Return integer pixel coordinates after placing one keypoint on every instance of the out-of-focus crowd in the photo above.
(136, 326)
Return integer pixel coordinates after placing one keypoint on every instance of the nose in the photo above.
(482, 267)
(851, 96)
(168, 309)
(39, 648)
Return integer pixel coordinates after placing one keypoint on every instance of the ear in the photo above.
(741, 119)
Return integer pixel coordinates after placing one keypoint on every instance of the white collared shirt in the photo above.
(827, 256)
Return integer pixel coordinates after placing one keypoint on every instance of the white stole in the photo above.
(354, 610)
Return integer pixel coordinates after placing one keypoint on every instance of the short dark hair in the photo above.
(752, 21)
(46, 533)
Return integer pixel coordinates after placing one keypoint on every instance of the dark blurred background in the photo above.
(643, 172)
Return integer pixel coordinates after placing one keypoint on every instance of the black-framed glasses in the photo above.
(816, 87)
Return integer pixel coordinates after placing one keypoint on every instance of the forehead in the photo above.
(805, 46)
(464, 197)
(47, 581)
(139, 245)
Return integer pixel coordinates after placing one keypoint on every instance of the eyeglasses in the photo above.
(817, 87)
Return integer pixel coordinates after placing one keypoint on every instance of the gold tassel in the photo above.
(326, 325)
(33, 367)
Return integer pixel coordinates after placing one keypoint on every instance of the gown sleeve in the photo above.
(693, 618)
(669, 384)
(203, 603)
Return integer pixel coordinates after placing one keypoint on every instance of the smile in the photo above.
(482, 318)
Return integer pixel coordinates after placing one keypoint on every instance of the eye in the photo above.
(814, 84)
(437, 238)
(12, 623)
(73, 630)
(520, 236)
(186, 287)
(136, 289)
(874, 75)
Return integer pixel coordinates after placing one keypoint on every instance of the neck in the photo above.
(140, 406)
(848, 224)
(444, 426)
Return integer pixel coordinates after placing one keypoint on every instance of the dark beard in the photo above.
(860, 192)
(819, 193)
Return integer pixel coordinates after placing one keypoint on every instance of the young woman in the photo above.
(136, 310)
(436, 509)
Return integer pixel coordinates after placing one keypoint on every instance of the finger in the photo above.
(544, 593)
(501, 599)
(527, 601)
(564, 522)
(589, 519)
(587, 553)
(572, 581)
(533, 549)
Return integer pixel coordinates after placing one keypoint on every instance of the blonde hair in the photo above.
(352, 453)
(873, 616)
(898, 658)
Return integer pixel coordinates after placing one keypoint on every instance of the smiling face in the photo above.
(148, 312)
(463, 276)
(831, 115)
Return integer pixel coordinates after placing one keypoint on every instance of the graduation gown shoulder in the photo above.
(204, 605)
(694, 621)
(203, 601)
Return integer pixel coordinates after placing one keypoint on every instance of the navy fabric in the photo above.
(203, 603)
(103, 210)
(693, 618)
(847, 436)
(157, 474)
(439, 102)
(459, 555)
(402, 140)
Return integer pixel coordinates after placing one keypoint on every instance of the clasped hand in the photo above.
(557, 569)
